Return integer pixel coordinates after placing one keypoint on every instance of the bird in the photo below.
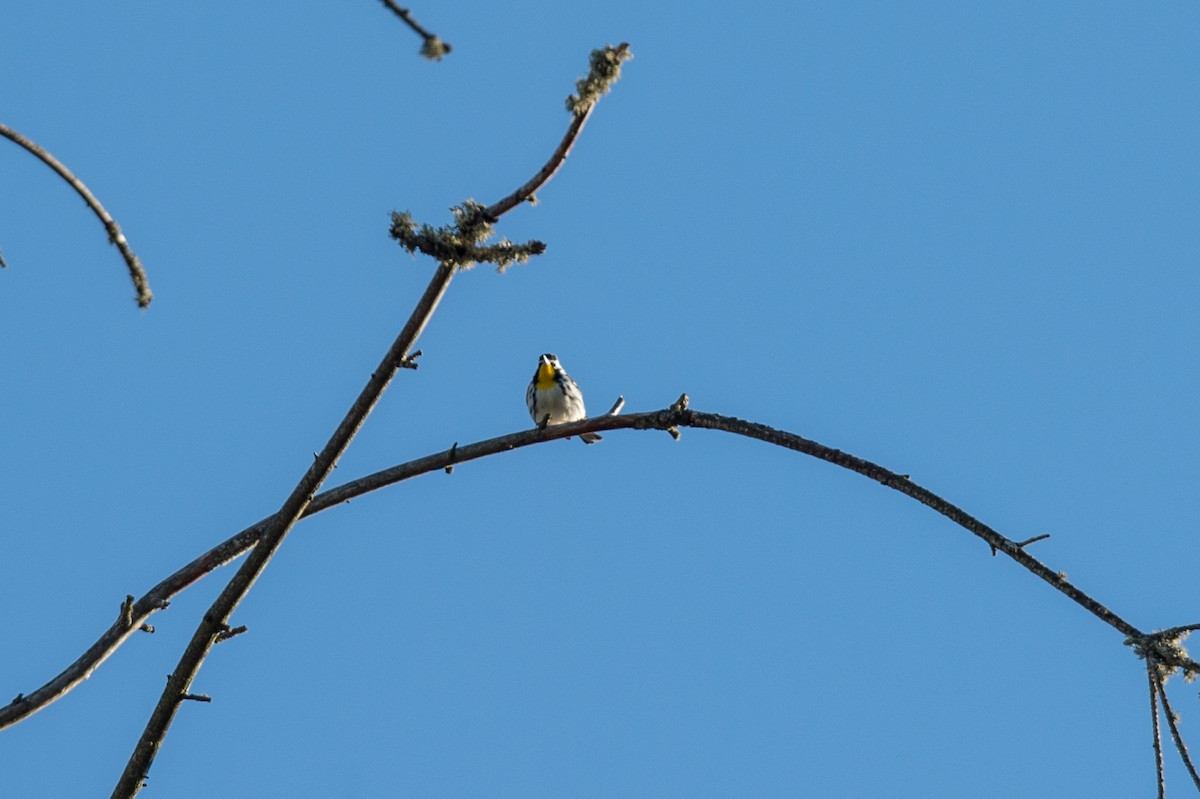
(554, 398)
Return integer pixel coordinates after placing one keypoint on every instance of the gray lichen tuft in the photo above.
(604, 71)
(463, 243)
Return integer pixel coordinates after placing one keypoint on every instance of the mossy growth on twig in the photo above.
(1166, 650)
(605, 68)
(434, 48)
(463, 243)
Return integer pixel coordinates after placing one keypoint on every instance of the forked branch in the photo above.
(216, 620)
(115, 236)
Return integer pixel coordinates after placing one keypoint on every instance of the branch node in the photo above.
(463, 243)
(453, 458)
(228, 632)
(1164, 653)
(674, 431)
(616, 407)
(147, 628)
(410, 361)
(680, 404)
(1022, 544)
(195, 698)
(127, 611)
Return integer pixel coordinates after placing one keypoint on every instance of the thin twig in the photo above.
(1173, 632)
(115, 236)
(158, 597)
(433, 47)
(216, 620)
(502, 207)
(1152, 676)
(1173, 724)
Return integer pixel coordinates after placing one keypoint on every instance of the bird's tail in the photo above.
(590, 438)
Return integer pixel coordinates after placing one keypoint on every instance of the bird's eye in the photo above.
(550, 356)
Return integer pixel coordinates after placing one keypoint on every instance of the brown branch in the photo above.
(215, 621)
(433, 47)
(115, 236)
(677, 415)
(498, 209)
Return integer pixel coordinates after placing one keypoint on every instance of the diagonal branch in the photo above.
(606, 68)
(433, 47)
(215, 621)
(115, 236)
(158, 597)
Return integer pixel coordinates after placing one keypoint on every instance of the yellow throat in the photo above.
(545, 377)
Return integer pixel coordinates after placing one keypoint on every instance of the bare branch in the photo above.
(196, 697)
(230, 632)
(433, 47)
(216, 620)
(1021, 544)
(115, 236)
(158, 597)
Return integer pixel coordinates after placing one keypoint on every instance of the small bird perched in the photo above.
(554, 398)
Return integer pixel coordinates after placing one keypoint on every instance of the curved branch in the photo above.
(115, 236)
(676, 416)
(502, 207)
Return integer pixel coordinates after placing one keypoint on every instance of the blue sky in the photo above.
(958, 241)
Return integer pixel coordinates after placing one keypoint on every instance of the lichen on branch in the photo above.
(462, 243)
(605, 69)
